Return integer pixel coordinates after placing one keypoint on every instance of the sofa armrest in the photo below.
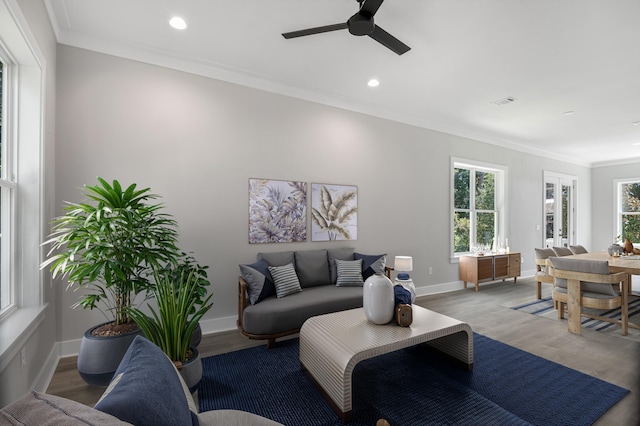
(387, 271)
(233, 418)
(41, 409)
(243, 301)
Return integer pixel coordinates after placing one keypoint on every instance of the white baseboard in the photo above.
(45, 374)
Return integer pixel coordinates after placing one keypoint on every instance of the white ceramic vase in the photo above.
(378, 299)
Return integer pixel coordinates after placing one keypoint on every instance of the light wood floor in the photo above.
(609, 358)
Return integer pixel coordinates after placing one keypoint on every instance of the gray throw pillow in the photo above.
(312, 267)
(349, 273)
(259, 281)
(277, 258)
(285, 280)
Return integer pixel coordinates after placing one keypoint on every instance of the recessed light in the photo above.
(568, 112)
(636, 123)
(373, 83)
(636, 144)
(178, 23)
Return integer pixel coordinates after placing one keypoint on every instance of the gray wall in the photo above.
(603, 191)
(196, 141)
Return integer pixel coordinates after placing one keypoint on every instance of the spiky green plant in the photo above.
(334, 214)
(179, 308)
(111, 245)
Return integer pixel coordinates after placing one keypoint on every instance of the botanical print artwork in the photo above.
(334, 212)
(277, 211)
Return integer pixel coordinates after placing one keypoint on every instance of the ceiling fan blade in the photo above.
(316, 30)
(370, 7)
(386, 39)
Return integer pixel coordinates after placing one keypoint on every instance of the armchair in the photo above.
(595, 289)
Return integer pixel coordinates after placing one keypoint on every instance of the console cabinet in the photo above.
(489, 267)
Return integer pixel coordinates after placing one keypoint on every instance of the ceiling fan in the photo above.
(360, 24)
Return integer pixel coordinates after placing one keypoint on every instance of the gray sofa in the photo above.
(326, 282)
(147, 390)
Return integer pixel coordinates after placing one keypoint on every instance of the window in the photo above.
(479, 220)
(6, 189)
(628, 210)
(22, 220)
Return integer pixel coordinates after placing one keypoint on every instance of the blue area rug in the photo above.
(414, 386)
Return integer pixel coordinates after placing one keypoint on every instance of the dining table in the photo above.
(629, 264)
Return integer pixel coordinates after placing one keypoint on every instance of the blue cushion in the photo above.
(259, 281)
(401, 295)
(372, 264)
(146, 389)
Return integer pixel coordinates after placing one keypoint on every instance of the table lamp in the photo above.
(403, 265)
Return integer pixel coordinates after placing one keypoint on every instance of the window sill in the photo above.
(15, 331)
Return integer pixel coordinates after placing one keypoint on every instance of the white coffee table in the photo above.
(331, 345)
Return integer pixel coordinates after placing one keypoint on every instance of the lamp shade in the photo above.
(403, 263)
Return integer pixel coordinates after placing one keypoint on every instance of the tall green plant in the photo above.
(179, 310)
(110, 246)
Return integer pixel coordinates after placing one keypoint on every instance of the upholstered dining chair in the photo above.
(562, 251)
(578, 249)
(542, 276)
(596, 288)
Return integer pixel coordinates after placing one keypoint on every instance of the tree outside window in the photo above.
(475, 214)
(629, 211)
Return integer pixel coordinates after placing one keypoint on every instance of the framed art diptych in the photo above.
(334, 212)
(277, 211)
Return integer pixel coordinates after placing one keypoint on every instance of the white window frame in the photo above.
(617, 214)
(25, 131)
(501, 178)
(7, 187)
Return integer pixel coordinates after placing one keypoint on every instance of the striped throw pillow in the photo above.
(285, 280)
(349, 273)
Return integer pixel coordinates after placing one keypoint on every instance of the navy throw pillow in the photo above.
(147, 391)
(371, 264)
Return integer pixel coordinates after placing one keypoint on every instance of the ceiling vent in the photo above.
(505, 101)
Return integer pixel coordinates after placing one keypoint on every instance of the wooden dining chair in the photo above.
(542, 276)
(596, 289)
(562, 251)
(578, 249)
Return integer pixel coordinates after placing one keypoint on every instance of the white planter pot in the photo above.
(377, 299)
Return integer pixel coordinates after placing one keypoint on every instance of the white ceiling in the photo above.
(553, 56)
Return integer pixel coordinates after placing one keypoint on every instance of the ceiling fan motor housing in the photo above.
(361, 25)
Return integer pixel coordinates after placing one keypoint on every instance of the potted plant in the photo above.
(109, 247)
(187, 264)
(180, 306)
